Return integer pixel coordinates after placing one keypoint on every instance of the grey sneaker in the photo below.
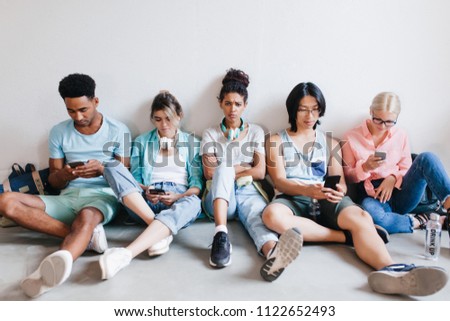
(98, 242)
(113, 261)
(408, 279)
(285, 252)
(53, 270)
(160, 247)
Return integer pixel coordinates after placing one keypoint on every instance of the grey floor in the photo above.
(329, 272)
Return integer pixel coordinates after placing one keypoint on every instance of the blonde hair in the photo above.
(167, 102)
(386, 101)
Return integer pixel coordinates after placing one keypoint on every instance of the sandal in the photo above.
(423, 219)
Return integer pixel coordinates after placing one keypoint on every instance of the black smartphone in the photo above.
(331, 181)
(380, 154)
(156, 191)
(76, 164)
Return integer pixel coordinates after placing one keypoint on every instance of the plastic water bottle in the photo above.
(433, 237)
(314, 209)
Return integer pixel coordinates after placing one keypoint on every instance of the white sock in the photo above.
(221, 228)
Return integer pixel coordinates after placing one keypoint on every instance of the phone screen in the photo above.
(331, 181)
(76, 164)
(380, 154)
(157, 191)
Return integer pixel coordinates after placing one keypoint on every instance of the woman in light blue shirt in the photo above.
(163, 186)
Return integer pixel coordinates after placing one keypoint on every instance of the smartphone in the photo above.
(331, 181)
(380, 154)
(76, 164)
(156, 191)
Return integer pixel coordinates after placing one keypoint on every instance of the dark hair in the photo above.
(77, 85)
(292, 102)
(168, 103)
(235, 81)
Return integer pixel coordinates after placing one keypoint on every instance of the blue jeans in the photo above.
(426, 169)
(245, 202)
(181, 214)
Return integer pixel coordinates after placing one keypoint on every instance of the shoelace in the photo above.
(219, 242)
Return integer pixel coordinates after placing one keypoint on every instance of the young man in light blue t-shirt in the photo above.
(78, 149)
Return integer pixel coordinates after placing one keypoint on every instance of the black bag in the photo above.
(28, 180)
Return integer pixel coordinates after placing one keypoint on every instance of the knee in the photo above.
(87, 218)
(8, 204)
(269, 216)
(366, 217)
(224, 171)
(110, 169)
(357, 218)
(426, 158)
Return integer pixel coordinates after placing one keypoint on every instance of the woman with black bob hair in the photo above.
(298, 162)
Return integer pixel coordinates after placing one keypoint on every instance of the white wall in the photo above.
(351, 49)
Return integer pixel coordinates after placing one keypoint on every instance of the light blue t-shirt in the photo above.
(113, 138)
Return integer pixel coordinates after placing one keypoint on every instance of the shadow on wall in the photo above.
(205, 111)
(142, 113)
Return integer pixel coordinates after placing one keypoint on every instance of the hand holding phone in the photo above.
(331, 181)
(382, 155)
(156, 191)
(75, 164)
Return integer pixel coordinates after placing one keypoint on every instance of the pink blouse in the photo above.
(358, 145)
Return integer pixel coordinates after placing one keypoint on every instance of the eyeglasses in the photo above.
(387, 123)
(306, 111)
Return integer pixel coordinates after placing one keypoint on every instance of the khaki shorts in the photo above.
(329, 212)
(66, 206)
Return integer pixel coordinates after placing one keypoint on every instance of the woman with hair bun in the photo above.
(163, 187)
(233, 157)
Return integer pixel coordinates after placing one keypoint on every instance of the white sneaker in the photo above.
(408, 279)
(285, 252)
(113, 261)
(53, 270)
(98, 242)
(160, 247)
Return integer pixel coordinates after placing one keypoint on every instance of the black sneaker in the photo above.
(220, 251)
(408, 279)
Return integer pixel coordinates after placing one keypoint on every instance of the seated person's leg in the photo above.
(383, 216)
(29, 211)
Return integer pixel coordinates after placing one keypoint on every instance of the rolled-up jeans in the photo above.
(177, 216)
(245, 202)
(426, 169)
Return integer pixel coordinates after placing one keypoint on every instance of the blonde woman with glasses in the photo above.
(378, 157)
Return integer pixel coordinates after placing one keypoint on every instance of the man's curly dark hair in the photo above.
(77, 85)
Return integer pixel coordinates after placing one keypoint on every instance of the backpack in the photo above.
(28, 181)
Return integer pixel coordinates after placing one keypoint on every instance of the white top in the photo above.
(170, 169)
(234, 152)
